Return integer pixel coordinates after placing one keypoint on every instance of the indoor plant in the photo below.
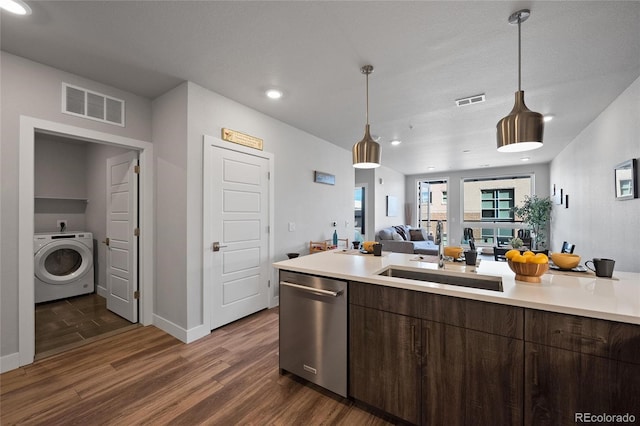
(536, 213)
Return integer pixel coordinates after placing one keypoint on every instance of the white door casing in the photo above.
(237, 216)
(122, 243)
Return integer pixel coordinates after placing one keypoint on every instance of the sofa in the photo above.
(405, 239)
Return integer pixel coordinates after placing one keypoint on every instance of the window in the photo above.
(429, 213)
(359, 209)
(488, 204)
(497, 204)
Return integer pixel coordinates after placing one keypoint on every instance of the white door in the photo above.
(122, 243)
(237, 233)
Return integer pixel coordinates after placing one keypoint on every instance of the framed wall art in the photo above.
(626, 180)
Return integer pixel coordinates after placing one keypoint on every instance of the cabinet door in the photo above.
(385, 361)
(561, 384)
(470, 377)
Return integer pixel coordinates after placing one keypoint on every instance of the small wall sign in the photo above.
(241, 138)
(325, 178)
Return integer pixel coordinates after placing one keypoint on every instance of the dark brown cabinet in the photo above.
(576, 366)
(428, 359)
(385, 365)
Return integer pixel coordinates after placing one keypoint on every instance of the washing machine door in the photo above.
(61, 262)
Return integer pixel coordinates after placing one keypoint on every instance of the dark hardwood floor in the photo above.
(64, 324)
(145, 376)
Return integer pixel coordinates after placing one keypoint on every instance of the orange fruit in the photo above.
(528, 253)
(511, 253)
(538, 258)
(518, 258)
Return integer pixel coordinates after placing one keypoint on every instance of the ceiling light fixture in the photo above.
(15, 6)
(525, 159)
(548, 117)
(366, 153)
(396, 142)
(522, 129)
(274, 93)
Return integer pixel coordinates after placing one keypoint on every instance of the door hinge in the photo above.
(136, 232)
(136, 294)
(136, 170)
(269, 283)
(268, 229)
(268, 175)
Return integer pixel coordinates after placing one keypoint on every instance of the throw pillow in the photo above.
(400, 230)
(397, 237)
(416, 235)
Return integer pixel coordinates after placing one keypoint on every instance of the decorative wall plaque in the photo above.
(241, 138)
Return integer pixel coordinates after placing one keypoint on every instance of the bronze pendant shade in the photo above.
(522, 129)
(366, 153)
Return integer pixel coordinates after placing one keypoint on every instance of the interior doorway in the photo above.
(29, 128)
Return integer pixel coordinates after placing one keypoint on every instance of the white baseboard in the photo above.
(275, 301)
(9, 362)
(102, 291)
(180, 333)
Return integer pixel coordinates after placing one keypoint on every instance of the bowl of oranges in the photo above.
(528, 266)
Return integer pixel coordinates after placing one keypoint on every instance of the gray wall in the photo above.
(60, 172)
(454, 196)
(31, 89)
(595, 222)
(388, 182)
(181, 118)
(367, 177)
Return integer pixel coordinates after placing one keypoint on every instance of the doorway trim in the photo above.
(207, 291)
(26, 178)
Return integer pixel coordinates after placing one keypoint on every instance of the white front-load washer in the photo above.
(63, 265)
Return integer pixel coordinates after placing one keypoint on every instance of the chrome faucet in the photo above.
(438, 241)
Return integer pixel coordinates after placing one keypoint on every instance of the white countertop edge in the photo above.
(464, 292)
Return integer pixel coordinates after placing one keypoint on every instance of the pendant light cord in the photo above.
(519, 57)
(367, 98)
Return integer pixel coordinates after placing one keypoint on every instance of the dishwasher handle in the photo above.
(312, 290)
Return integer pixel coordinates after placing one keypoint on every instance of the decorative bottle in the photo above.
(335, 238)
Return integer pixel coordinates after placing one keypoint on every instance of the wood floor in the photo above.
(145, 376)
(63, 324)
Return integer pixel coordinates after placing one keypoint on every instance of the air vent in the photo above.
(92, 105)
(475, 99)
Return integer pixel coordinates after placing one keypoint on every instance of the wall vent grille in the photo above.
(92, 105)
(470, 100)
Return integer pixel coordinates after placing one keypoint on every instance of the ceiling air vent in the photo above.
(475, 99)
(92, 105)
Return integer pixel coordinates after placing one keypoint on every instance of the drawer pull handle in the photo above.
(580, 336)
(312, 290)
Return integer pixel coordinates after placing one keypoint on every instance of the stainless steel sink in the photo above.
(484, 282)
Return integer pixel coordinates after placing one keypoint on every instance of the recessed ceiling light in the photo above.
(274, 93)
(15, 6)
(396, 142)
(431, 168)
(525, 159)
(548, 117)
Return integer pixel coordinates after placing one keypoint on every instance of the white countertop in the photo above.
(584, 294)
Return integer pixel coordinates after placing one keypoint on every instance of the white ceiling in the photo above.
(577, 57)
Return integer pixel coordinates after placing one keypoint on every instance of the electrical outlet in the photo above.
(61, 224)
(292, 226)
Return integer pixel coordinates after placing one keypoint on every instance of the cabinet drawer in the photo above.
(388, 299)
(610, 339)
(494, 318)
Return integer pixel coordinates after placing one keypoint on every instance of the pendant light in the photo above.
(366, 153)
(522, 129)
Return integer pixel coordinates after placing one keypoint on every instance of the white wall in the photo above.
(542, 188)
(31, 89)
(595, 222)
(393, 184)
(311, 206)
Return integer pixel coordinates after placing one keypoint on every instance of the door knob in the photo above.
(106, 241)
(216, 246)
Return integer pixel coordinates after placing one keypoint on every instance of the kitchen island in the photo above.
(431, 353)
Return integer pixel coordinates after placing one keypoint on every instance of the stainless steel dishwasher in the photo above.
(313, 329)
